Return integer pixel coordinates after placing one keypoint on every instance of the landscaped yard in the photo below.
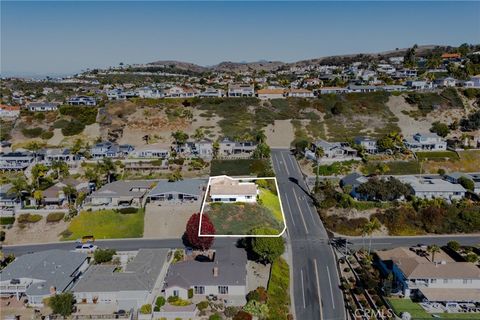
(106, 224)
(241, 218)
(418, 313)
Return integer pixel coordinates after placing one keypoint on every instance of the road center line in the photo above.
(289, 208)
(331, 288)
(303, 289)
(300, 211)
(318, 288)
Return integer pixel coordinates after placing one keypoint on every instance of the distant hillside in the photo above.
(229, 66)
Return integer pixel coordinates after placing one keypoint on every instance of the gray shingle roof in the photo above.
(123, 188)
(190, 186)
(139, 275)
(53, 267)
(231, 263)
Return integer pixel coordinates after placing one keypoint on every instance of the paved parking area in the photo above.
(168, 220)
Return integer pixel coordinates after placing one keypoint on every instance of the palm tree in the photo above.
(19, 187)
(369, 228)
(70, 192)
(433, 249)
(260, 136)
(38, 196)
(107, 167)
(216, 148)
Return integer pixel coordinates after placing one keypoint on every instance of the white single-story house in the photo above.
(10, 112)
(226, 189)
(223, 274)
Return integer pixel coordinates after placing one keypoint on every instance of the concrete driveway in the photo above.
(165, 220)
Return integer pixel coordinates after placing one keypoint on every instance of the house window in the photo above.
(232, 199)
(466, 281)
(176, 293)
(199, 289)
(222, 289)
(433, 280)
(248, 197)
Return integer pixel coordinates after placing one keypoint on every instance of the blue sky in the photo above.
(61, 37)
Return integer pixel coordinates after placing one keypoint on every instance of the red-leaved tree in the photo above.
(191, 233)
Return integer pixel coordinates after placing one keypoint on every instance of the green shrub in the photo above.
(32, 132)
(146, 309)
(215, 316)
(127, 210)
(55, 216)
(178, 255)
(2, 236)
(39, 116)
(6, 220)
(104, 255)
(74, 127)
(60, 124)
(29, 218)
(160, 302)
(46, 135)
(202, 305)
(190, 293)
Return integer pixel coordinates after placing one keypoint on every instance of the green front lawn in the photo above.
(106, 224)
(437, 155)
(271, 202)
(400, 305)
(418, 313)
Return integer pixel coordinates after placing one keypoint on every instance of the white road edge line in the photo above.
(331, 288)
(289, 209)
(318, 288)
(300, 211)
(303, 289)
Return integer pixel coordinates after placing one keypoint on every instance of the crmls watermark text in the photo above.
(373, 314)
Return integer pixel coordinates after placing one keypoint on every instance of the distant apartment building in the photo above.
(150, 93)
(42, 106)
(212, 93)
(300, 93)
(241, 90)
(82, 101)
(425, 142)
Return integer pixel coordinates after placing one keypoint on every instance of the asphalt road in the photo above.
(315, 278)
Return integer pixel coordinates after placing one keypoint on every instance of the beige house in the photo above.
(266, 94)
(440, 280)
(226, 189)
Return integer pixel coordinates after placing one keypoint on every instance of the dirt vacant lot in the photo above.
(167, 221)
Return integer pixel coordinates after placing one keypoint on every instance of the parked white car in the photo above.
(87, 248)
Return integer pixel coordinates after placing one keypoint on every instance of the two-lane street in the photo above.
(315, 278)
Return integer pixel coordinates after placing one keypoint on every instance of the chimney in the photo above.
(215, 271)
